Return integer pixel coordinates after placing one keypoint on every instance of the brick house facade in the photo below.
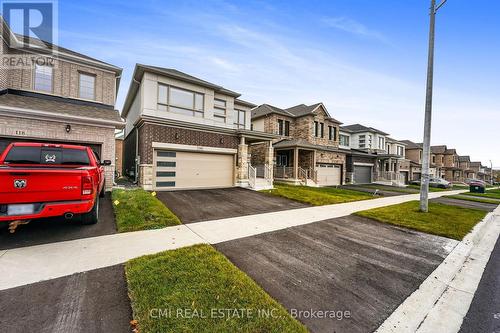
(57, 113)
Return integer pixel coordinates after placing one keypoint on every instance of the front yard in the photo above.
(140, 210)
(492, 194)
(473, 199)
(442, 220)
(317, 196)
(197, 289)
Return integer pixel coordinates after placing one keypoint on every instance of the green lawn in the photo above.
(442, 220)
(474, 199)
(317, 196)
(200, 290)
(140, 210)
(493, 194)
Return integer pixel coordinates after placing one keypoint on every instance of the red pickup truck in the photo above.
(46, 180)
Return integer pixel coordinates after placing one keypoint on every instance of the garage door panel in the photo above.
(328, 174)
(193, 170)
(362, 174)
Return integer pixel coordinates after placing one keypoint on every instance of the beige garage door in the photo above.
(328, 174)
(179, 170)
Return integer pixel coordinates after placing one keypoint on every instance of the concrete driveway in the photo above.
(203, 205)
(94, 301)
(348, 264)
(52, 230)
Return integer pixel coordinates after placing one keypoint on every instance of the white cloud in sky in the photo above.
(353, 27)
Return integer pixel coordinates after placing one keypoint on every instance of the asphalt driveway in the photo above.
(349, 264)
(203, 205)
(52, 230)
(94, 301)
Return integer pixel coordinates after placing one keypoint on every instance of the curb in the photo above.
(411, 315)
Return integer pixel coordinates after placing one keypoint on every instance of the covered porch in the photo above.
(255, 160)
(388, 170)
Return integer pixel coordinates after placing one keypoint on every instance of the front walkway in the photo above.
(43, 262)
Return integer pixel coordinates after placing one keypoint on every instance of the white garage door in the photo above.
(184, 170)
(328, 174)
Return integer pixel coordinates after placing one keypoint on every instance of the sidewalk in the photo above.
(43, 262)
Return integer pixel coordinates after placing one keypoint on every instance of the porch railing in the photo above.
(283, 172)
(391, 176)
(252, 175)
(268, 174)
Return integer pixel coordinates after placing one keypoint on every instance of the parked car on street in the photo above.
(47, 180)
(434, 182)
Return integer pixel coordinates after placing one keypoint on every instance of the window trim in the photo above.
(80, 73)
(322, 130)
(316, 128)
(168, 105)
(51, 79)
(220, 108)
(236, 121)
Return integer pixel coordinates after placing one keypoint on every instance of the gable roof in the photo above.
(439, 149)
(450, 151)
(294, 111)
(16, 41)
(464, 158)
(476, 164)
(412, 145)
(358, 128)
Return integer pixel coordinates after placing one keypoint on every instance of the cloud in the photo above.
(353, 27)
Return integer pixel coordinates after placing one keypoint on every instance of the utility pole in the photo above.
(426, 153)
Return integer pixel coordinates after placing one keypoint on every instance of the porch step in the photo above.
(262, 184)
(310, 182)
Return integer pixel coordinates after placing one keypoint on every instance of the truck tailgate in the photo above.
(25, 185)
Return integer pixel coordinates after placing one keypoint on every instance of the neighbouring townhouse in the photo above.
(414, 153)
(479, 170)
(56, 95)
(306, 146)
(183, 132)
(373, 156)
(464, 164)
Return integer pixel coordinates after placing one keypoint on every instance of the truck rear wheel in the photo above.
(93, 216)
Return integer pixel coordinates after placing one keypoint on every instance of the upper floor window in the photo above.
(316, 129)
(283, 127)
(322, 129)
(388, 149)
(180, 101)
(43, 78)
(400, 151)
(332, 133)
(344, 140)
(220, 110)
(381, 143)
(87, 86)
(420, 155)
(433, 159)
(362, 141)
(239, 118)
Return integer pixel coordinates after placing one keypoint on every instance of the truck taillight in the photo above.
(87, 186)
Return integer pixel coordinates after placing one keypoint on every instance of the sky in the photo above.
(365, 60)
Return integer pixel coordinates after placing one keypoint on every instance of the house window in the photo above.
(87, 86)
(433, 159)
(283, 127)
(400, 151)
(180, 101)
(381, 143)
(220, 110)
(420, 155)
(332, 133)
(239, 118)
(322, 129)
(316, 125)
(388, 148)
(344, 140)
(43, 78)
(362, 141)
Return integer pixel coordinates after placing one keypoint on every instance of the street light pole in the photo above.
(426, 153)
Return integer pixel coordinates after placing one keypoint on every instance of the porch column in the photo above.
(314, 160)
(296, 163)
(391, 166)
(242, 169)
(269, 159)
